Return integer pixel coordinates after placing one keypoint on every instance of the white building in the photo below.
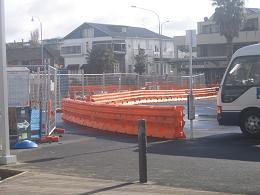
(125, 41)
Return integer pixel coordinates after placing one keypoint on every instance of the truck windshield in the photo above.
(244, 71)
(243, 74)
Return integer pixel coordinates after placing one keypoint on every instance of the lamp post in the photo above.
(159, 26)
(164, 66)
(5, 157)
(163, 24)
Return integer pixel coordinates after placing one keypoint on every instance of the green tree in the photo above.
(140, 62)
(229, 15)
(100, 60)
(34, 38)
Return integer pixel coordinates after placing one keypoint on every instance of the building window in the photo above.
(119, 47)
(124, 29)
(87, 47)
(251, 25)
(71, 50)
(204, 51)
(211, 28)
(156, 49)
(88, 33)
(116, 68)
(130, 68)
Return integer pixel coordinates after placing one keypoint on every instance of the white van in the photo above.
(238, 101)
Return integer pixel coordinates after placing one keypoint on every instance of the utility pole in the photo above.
(5, 157)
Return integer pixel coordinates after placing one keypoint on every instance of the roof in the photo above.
(251, 11)
(113, 31)
(25, 54)
(17, 69)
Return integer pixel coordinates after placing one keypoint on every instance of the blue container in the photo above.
(25, 144)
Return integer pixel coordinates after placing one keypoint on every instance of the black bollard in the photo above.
(142, 142)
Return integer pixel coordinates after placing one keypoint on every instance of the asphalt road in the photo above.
(217, 159)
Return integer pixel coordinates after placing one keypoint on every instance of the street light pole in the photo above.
(5, 157)
(163, 65)
(160, 37)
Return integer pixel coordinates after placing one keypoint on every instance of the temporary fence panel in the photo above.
(79, 86)
(18, 86)
(51, 97)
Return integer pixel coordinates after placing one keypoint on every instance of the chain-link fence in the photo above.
(81, 85)
(48, 87)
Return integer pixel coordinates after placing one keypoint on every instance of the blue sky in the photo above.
(59, 17)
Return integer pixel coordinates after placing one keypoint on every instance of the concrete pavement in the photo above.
(41, 183)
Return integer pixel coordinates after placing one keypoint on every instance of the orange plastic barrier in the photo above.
(94, 88)
(118, 112)
(149, 96)
(161, 121)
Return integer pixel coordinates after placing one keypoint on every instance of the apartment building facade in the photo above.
(210, 56)
(125, 42)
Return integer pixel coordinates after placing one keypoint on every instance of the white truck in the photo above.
(238, 101)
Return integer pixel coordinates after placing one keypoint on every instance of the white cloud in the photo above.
(59, 17)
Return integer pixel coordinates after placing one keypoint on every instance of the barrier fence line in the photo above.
(118, 112)
(162, 121)
(150, 96)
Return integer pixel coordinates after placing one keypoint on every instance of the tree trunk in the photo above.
(229, 46)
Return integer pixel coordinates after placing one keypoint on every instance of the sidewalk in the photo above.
(31, 183)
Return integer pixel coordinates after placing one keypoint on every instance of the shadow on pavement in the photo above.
(107, 189)
(80, 154)
(230, 146)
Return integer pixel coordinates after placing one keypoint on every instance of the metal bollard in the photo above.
(142, 142)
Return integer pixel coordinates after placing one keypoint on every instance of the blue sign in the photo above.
(35, 123)
(257, 93)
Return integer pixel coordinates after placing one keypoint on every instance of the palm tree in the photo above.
(229, 15)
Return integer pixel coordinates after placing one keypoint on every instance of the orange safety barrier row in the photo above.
(150, 96)
(94, 88)
(161, 121)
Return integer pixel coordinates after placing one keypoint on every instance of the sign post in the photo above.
(5, 157)
(191, 42)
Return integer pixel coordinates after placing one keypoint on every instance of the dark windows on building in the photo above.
(251, 25)
(210, 28)
(71, 50)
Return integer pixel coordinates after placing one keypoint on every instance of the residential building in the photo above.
(125, 41)
(211, 44)
(210, 55)
(31, 57)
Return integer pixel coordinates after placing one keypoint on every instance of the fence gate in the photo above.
(43, 91)
(51, 100)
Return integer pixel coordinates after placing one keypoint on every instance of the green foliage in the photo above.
(229, 15)
(34, 38)
(100, 60)
(141, 61)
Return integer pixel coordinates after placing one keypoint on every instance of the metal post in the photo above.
(5, 157)
(103, 82)
(83, 84)
(142, 142)
(120, 82)
(190, 99)
(59, 90)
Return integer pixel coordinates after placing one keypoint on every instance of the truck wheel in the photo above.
(250, 123)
